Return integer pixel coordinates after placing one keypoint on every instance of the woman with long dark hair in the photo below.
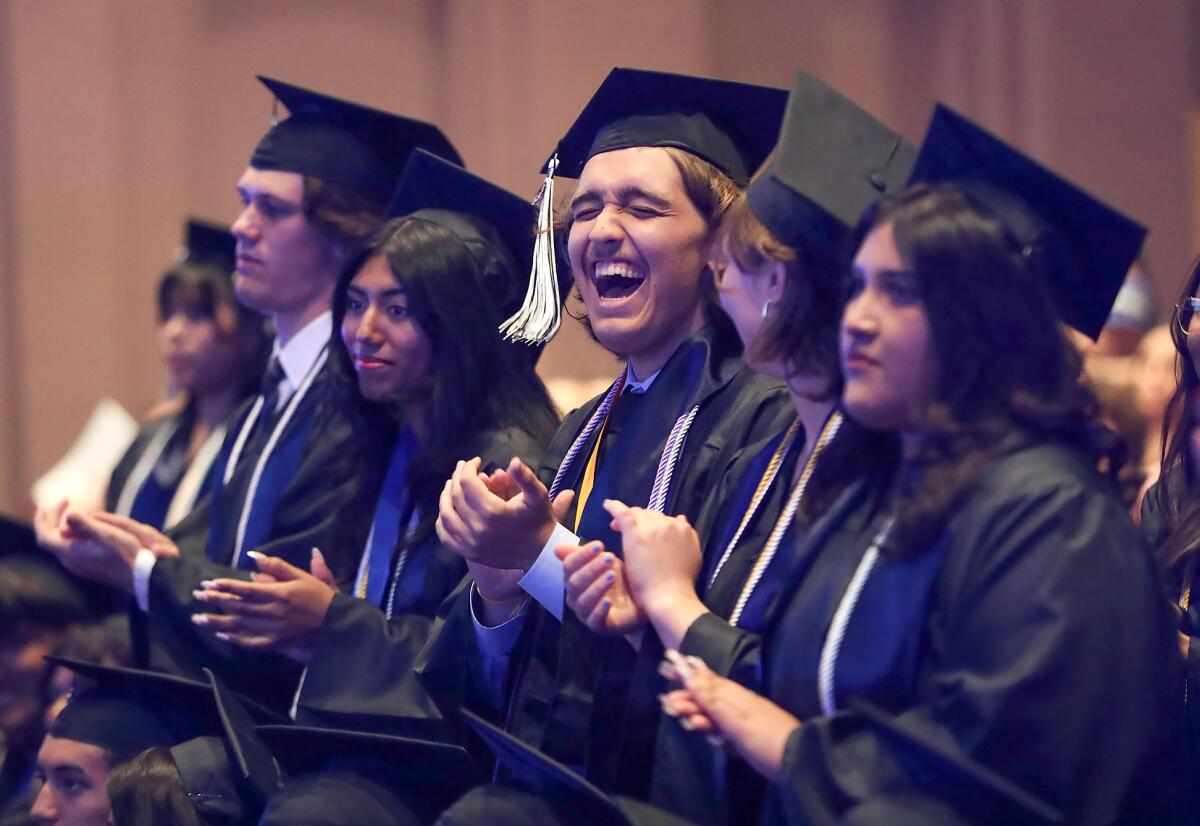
(215, 350)
(1171, 508)
(421, 362)
(980, 635)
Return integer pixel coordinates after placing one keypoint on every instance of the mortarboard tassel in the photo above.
(538, 319)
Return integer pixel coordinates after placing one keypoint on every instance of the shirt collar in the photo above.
(299, 355)
(636, 387)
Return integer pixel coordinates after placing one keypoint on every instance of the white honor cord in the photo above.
(391, 597)
(239, 443)
(670, 456)
(276, 435)
(841, 619)
(144, 467)
(759, 494)
(785, 520)
(360, 579)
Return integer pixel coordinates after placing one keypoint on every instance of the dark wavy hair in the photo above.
(479, 382)
(1178, 478)
(1006, 373)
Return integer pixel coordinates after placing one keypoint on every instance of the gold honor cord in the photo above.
(589, 471)
(764, 484)
(1185, 601)
(832, 425)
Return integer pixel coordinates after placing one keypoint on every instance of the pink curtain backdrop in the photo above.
(119, 117)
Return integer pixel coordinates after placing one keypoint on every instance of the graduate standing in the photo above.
(316, 186)
(215, 350)
(422, 362)
(991, 644)
(659, 158)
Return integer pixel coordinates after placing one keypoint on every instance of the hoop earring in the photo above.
(766, 308)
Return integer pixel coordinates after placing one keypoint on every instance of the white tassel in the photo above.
(538, 319)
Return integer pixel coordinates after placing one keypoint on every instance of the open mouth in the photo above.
(616, 279)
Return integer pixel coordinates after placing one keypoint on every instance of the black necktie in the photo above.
(270, 386)
(268, 416)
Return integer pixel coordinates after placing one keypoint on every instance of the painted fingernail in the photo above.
(200, 619)
(609, 577)
(221, 635)
(200, 595)
(605, 604)
(256, 555)
(715, 741)
(610, 559)
(207, 583)
(684, 722)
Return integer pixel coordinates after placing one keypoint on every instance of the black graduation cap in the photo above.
(208, 243)
(343, 142)
(539, 774)
(731, 125)
(127, 710)
(833, 159)
(339, 776)
(958, 775)
(228, 778)
(1086, 246)
(496, 225)
(226, 772)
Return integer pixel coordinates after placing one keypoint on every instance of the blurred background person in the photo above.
(39, 604)
(215, 351)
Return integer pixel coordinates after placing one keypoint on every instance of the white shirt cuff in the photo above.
(143, 566)
(544, 581)
(497, 641)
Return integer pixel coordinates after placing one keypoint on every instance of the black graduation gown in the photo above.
(309, 478)
(361, 672)
(584, 699)
(1154, 529)
(1032, 638)
(689, 778)
(153, 497)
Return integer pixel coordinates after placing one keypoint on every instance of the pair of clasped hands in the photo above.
(280, 609)
(499, 522)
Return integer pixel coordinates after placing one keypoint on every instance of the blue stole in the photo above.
(278, 473)
(385, 527)
(883, 637)
(152, 501)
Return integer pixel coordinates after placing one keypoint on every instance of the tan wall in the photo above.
(118, 117)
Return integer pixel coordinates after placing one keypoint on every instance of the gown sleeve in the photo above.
(363, 662)
(304, 518)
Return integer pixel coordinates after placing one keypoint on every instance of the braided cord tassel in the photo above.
(538, 319)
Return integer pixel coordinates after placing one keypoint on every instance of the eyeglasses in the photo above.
(1185, 311)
